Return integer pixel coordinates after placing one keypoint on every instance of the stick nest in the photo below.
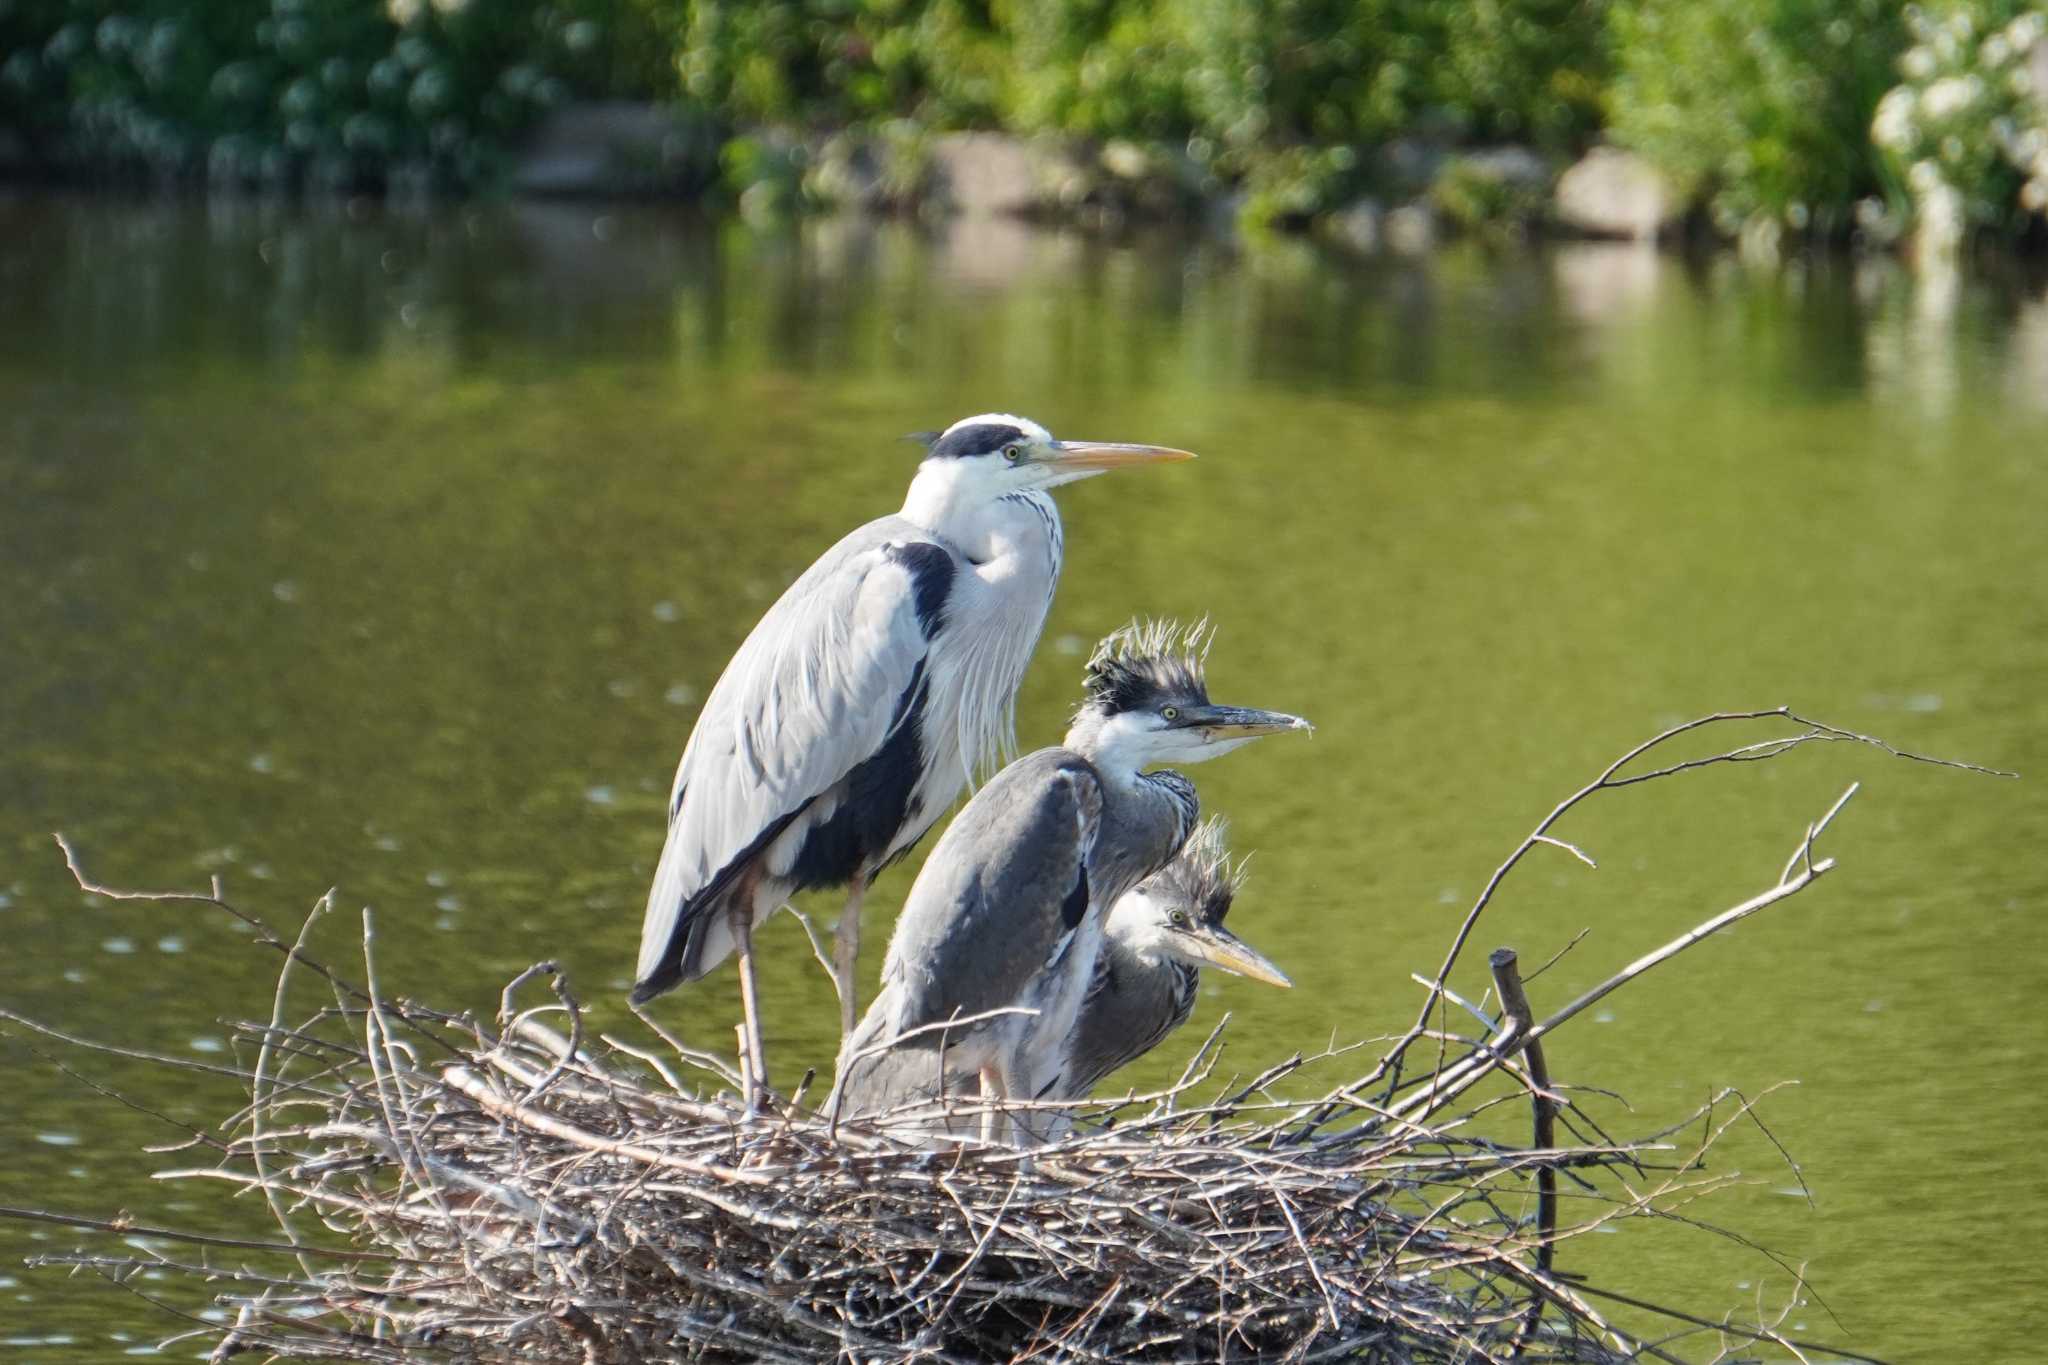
(515, 1190)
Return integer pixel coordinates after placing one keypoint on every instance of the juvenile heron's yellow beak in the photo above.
(1219, 947)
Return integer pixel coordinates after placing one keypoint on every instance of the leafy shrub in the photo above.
(1097, 68)
(841, 61)
(279, 90)
(1761, 106)
(1966, 132)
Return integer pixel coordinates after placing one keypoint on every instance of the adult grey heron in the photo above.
(1006, 914)
(863, 701)
(1156, 939)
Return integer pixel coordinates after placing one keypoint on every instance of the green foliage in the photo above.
(1097, 68)
(1762, 108)
(1233, 74)
(1289, 187)
(1481, 194)
(1512, 70)
(833, 62)
(276, 91)
(1965, 130)
(1759, 105)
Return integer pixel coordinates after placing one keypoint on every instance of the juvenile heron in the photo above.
(861, 704)
(1007, 912)
(1157, 938)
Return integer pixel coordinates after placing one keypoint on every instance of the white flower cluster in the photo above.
(1967, 130)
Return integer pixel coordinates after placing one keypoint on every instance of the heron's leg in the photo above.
(750, 1008)
(992, 1095)
(846, 953)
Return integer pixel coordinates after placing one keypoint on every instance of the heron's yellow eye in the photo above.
(1170, 712)
(1013, 452)
(1178, 919)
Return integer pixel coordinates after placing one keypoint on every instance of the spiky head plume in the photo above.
(1145, 662)
(1202, 875)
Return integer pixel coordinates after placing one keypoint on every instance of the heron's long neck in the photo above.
(1013, 546)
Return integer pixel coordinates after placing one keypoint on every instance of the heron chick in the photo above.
(1157, 938)
(862, 703)
(998, 941)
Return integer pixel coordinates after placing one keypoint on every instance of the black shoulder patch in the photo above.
(1076, 904)
(931, 579)
(983, 438)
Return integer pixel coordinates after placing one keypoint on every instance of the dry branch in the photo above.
(451, 1190)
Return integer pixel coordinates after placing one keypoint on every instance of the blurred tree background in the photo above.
(1763, 113)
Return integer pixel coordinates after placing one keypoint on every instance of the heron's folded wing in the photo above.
(814, 690)
(1003, 893)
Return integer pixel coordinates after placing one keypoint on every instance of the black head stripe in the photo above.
(1135, 684)
(1148, 664)
(983, 438)
(1202, 876)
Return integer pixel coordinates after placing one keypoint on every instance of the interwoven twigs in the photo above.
(525, 1191)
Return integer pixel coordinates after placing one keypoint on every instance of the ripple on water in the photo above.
(118, 945)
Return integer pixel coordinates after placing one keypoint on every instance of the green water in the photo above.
(392, 551)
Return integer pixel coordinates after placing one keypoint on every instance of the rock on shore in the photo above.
(1613, 193)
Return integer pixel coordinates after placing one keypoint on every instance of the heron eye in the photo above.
(1013, 452)
(1170, 712)
(1178, 919)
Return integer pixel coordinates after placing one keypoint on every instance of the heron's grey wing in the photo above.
(1125, 1015)
(1001, 895)
(812, 692)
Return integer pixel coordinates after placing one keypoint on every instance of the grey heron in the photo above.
(1006, 914)
(862, 703)
(1157, 938)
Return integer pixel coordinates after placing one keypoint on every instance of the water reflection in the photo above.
(460, 288)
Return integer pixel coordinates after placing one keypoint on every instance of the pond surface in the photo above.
(392, 551)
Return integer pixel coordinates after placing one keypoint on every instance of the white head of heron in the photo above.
(979, 459)
(1147, 702)
(1177, 913)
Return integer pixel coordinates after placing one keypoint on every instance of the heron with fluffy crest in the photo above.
(1157, 939)
(1003, 928)
(862, 704)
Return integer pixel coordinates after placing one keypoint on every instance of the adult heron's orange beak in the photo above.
(1095, 457)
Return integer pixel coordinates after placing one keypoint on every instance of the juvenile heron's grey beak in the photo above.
(1218, 947)
(1080, 459)
(1218, 723)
